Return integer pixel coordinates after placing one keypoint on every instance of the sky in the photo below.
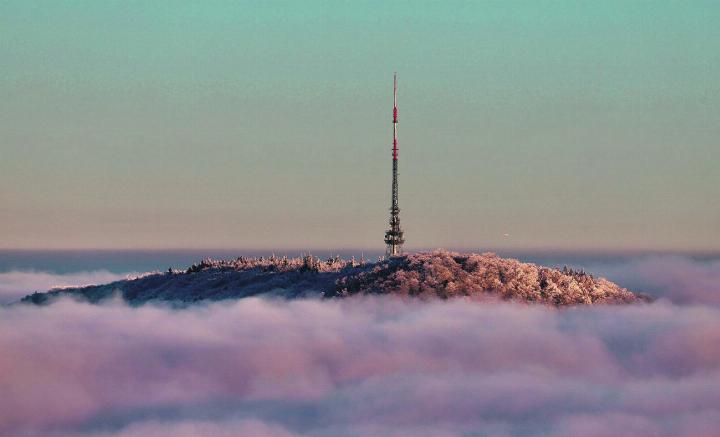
(225, 124)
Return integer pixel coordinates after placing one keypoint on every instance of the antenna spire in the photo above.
(394, 235)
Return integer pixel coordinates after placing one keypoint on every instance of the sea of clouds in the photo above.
(377, 366)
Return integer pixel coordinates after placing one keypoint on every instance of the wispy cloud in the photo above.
(678, 278)
(18, 283)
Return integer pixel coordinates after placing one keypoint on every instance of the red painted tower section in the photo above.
(395, 120)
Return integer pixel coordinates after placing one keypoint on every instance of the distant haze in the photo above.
(523, 124)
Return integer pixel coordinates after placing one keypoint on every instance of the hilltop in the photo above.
(426, 275)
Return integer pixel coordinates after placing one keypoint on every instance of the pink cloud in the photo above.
(678, 278)
(362, 366)
(188, 428)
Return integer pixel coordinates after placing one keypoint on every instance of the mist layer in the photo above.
(360, 367)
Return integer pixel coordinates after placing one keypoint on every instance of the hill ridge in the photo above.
(439, 274)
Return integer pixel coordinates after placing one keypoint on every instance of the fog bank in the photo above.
(360, 367)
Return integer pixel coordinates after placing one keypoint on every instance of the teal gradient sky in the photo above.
(563, 124)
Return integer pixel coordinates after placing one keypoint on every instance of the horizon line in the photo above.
(310, 250)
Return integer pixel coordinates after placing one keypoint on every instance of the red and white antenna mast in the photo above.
(395, 120)
(394, 236)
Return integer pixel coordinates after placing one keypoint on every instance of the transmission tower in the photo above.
(394, 235)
